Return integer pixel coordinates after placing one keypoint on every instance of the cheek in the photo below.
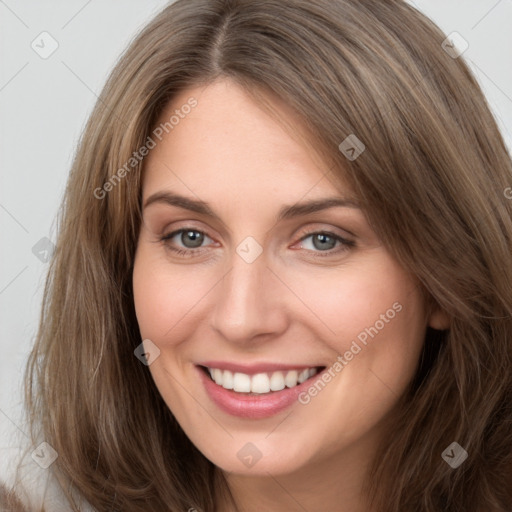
(163, 296)
(372, 316)
(344, 303)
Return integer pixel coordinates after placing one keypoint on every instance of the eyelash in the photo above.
(346, 244)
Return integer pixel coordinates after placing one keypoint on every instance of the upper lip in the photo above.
(252, 369)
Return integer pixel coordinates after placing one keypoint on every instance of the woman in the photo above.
(283, 274)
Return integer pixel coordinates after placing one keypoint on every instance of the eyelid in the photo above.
(321, 228)
(324, 232)
(174, 232)
(305, 232)
(345, 244)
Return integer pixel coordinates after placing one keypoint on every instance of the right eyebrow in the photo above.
(186, 203)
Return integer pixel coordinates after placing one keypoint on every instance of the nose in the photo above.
(249, 302)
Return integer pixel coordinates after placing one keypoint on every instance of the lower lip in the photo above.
(253, 406)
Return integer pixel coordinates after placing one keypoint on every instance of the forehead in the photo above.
(230, 141)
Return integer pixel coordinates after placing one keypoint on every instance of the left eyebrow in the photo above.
(286, 212)
(316, 205)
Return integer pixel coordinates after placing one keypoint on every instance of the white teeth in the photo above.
(277, 381)
(241, 383)
(227, 382)
(303, 375)
(217, 376)
(260, 383)
(291, 379)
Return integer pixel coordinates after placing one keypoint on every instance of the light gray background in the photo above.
(44, 104)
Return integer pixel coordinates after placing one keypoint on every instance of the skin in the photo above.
(292, 304)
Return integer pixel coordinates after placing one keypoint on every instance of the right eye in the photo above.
(191, 240)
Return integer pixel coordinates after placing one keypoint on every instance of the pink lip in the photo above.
(252, 369)
(253, 406)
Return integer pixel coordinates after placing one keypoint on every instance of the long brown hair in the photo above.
(431, 181)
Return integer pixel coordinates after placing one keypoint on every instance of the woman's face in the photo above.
(299, 308)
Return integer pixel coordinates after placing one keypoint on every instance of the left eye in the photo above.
(326, 242)
(323, 241)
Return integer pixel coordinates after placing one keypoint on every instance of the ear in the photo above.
(439, 319)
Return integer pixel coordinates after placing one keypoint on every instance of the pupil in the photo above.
(194, 237)
(322, 238)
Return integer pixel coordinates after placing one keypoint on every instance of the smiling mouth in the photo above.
(260, 383)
